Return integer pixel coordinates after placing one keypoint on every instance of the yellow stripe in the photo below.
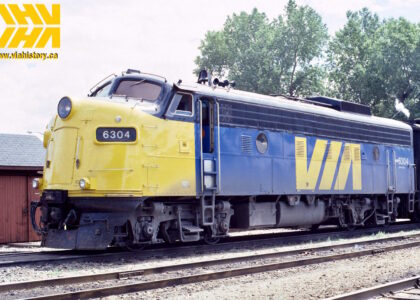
(330, 166)
(351, 156)
(306, 179)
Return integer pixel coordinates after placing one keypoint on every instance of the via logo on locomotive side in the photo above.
(307, 178)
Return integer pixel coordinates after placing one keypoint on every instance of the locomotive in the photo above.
(141, 161)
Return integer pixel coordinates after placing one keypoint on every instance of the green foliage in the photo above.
(369, 61)
(268, 57)
(374, 62)
(349, 58)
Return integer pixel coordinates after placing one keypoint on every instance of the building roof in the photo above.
(21, 150)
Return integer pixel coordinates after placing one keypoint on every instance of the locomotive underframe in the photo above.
(96, 223)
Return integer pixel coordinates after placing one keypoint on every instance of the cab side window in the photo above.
(181, 105)
(185, 104)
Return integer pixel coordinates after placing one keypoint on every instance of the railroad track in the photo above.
(230, 243)
(205, 274)
(408, 289)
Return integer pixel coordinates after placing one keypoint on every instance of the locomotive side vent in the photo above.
(300, 149)
(246, 144)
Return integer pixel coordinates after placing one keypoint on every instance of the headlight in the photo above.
(64, 107)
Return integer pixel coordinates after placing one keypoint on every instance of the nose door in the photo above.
(210, 146)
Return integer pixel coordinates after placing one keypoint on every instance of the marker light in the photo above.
(64, 107)
(84, 183)
(36, 183)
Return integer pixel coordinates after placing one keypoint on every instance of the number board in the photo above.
(116, 134)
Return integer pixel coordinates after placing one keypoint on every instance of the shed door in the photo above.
(16, 194)
(14, 209)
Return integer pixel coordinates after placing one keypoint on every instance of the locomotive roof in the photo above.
(285, 103)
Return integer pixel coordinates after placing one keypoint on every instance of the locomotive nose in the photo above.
(89, 145)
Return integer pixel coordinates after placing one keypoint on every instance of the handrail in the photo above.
(395, 169)
(219, 173)
(201, 145)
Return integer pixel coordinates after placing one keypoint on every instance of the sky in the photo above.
(99, 38)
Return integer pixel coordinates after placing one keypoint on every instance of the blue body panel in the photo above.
(245, 171)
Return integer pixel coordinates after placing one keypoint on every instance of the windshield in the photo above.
(103, 91)
(139, 89)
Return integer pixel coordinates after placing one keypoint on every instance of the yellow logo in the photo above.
(307, 178)
(45, 26)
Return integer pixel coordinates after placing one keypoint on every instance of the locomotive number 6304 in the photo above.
(116, 134)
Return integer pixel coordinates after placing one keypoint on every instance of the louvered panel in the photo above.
(246, 144)
(346, 153)
(356, 154)
(300, 149)
(329, 154)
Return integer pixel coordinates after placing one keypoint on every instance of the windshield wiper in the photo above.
(127, 97)
(138, 82)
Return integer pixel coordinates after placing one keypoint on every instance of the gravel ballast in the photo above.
(309, 282)
(304, 282)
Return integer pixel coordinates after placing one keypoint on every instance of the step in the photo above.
(210, 173)
(192, 228)
(210, 188)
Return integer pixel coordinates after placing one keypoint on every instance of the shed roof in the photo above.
(21, 150)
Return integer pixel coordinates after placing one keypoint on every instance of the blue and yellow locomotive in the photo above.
(142, 161)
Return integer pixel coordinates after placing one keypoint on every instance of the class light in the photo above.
(36, 183)
(84, 183)
(64, 107)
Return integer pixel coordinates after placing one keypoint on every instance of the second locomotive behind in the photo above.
(142, 161)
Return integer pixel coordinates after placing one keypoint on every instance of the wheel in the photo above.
(208, 237)
(416, 214)
(210, 240)
(164, 231)
(135, 247)
(345, 226)
(350, 227)
(314, 227)
(386, 224)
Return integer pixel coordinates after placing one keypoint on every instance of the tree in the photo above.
(374, 62)
(349, 59)
(233, 51)
(397, 62)
(268, 57)
(304, 36)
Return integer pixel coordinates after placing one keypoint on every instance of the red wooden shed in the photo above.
(21, 160)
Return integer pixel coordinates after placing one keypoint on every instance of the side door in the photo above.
(209, 132)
